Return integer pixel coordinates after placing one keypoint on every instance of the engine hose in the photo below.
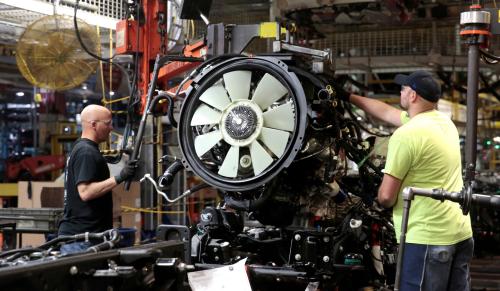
(159, 62)
(168, 176)
(198, 187)
(170, 108)
(25, 250)
(113, 233)
(77, 237)
(106, 245)
(187, 192)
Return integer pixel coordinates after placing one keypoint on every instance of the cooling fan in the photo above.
(50, 56)
(242, 122)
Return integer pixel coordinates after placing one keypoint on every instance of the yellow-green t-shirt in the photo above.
(425, 153)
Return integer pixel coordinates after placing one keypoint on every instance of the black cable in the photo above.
(490, 56)
(107, 244)
(315, 80)
(198, 187)
(75, 22)
(23, 250)
(170, 108)
(132, 90)
(488, 87)
(132, 98)
(355, 120)
(248, 205)
(315, 153)
(126, 131)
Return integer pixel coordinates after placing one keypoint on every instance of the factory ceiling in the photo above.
(322, 21)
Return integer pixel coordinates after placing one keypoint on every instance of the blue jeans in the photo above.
(438, 268)
(74, 248)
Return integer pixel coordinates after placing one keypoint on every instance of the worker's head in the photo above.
(418, 87)
(96, 123)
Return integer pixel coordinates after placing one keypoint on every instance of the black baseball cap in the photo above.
(423, 83)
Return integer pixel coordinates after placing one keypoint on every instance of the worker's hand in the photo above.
(339, 92)
(127, 172)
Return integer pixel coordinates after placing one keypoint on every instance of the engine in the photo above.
(296, 174)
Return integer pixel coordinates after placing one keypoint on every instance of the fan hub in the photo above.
(241, 123)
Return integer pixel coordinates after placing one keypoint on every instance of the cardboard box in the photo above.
(121, 198)
(131, 199)
(24, 200)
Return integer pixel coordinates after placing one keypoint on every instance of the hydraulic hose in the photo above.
(168, 176)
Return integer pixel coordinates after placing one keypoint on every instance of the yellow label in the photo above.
(268, 29)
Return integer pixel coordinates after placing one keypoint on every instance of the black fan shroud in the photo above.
(206, 168)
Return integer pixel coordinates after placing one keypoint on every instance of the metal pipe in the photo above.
(407, 198)
(471, 127)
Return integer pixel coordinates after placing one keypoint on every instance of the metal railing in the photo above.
(445, 41)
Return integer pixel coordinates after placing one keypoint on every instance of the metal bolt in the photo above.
(246, 161)
(216, 250)
(326, 259)
(297, 237)
(216, 258)
(231, 268)
(326, 239)
(298, 257)
(73, 270)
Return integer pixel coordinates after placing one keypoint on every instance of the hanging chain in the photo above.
(162, 30)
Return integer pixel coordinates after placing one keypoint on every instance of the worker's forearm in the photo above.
(386, 202)
(378, 109)
(388, 191)
(96, 189)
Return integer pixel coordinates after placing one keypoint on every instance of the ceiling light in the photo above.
(20, 94)
(111, 93)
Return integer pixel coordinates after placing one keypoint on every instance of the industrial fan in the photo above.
(50, 56)
(242, 122)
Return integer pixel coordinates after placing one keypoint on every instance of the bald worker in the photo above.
(88, 205)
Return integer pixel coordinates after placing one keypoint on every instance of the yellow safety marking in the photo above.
(268, 29)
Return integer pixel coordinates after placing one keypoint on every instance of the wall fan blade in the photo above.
(205, 115)
(276, 140)
(216, 96)
(260, 158)
(205, 142)
(281, 117)
(268, 91)
(229, 167)
(48, 48)
(238, 84)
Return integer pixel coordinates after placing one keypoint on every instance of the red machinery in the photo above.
(33, 167)
(147, 37)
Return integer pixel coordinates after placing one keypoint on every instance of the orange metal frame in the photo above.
(149, 46)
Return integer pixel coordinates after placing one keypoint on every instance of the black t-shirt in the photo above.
(85, 164)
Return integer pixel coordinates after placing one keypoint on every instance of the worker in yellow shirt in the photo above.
(424, 152)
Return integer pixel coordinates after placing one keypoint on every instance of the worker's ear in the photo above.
(414, 96)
